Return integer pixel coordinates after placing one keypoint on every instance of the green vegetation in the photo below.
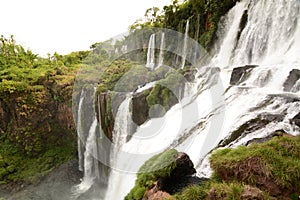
(36, 129)
(209, 190)
(160, 165)
(276, 162)
(267, 170)
(124, 76)
(15, 166)
(203, 15)
(23, 71)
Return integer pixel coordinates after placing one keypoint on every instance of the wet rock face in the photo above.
(33, 120)
(240, 74)
(140, 108)
(296, 120)
(291, 80)
(106, 115)
(250, 126)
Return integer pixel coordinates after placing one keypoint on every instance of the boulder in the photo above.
(291, 80)
(240, 74)
(184, 166)
(296, 120)
(140, 108)
(180, 177)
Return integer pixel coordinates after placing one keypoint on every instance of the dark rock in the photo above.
(296, 120)
(173, 186)
(140, 108)
(179, 178)
(278, 133)
(242, 25)
(250, 126)
(240, 74)
(184, 166)
(106, 115)
(291, 80)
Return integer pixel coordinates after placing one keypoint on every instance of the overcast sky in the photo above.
(48, 26)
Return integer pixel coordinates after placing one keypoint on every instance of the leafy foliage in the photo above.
(159, 166)
(204, 16)
(31, 88)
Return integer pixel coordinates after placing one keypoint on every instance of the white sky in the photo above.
(48, 26)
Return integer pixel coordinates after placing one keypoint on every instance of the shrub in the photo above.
(159, 166)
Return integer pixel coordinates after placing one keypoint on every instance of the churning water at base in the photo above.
(270, 39)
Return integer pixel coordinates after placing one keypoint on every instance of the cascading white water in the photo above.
(269, 34)
(184, 50)
(161, 52)
(269, 39)
(121, 131)
(91, 168)
(232, 21)
(122, 126)
(199, 123)
(80, 136)
(151, 53)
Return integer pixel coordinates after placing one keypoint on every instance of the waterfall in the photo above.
(213, 110)
(91, 168)
(161, 52)
(80, 136)
(151, 53)
(270, 33)
(232, 19)
(122, 126)
(184, 50)
(121, 130)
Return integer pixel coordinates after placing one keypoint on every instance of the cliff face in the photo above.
(34, 119)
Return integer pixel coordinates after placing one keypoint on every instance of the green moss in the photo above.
(278, 161)
(167, 91)
(159, 166)
(112, 74)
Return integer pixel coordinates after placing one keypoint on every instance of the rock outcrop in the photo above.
(38, 118)
(296, 120)
(291, 80)
(140, 109)
(240, 74)
(250, 126)
(180, 177)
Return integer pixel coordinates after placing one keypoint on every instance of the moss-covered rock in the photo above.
(272, 166)
(157, 176)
